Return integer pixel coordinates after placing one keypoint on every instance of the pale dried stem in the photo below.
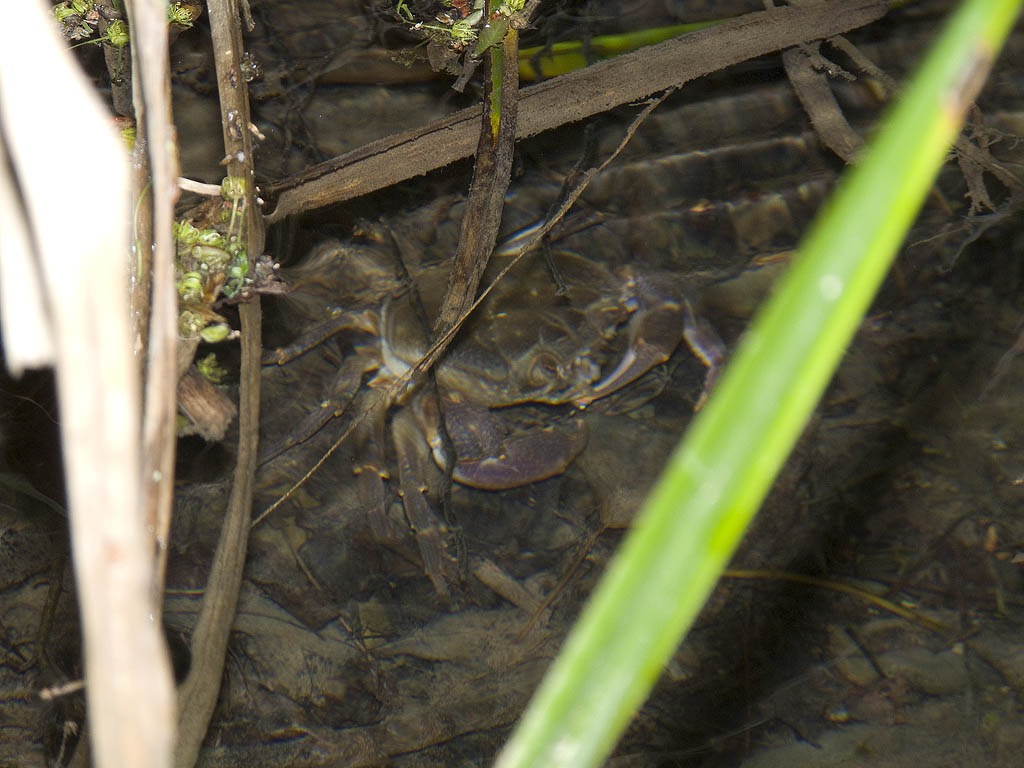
(198, 694)
(75, 254)
(152, 97)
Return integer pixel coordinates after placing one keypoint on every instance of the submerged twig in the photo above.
(812, 89)
(198, 694)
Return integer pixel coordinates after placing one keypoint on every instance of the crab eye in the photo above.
(543, 370)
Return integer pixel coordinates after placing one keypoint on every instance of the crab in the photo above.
(535, 345)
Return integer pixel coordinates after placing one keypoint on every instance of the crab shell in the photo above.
(527, 348)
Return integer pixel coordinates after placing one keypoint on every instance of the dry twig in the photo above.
(491, 174)
(198, 694)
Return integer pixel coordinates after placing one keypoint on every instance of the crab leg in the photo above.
(340, 394)
(389, 529)
(432, 534)
(707, 346)
(362, 320)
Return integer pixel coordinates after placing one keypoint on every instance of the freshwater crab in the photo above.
(530, 346)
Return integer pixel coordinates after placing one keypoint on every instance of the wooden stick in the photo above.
(197, 696)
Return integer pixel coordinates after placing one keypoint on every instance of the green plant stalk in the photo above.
(695, 516)
(496, 52)
(569, 55)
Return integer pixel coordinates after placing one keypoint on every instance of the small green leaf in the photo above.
(492, 34)
(212, 334)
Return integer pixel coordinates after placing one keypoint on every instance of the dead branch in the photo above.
(491, 173)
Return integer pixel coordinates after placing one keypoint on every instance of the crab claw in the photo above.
(490, 458)
(653, 336)
(524, 459)
(654, 333)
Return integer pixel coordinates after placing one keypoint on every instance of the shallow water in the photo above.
(908, 478)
